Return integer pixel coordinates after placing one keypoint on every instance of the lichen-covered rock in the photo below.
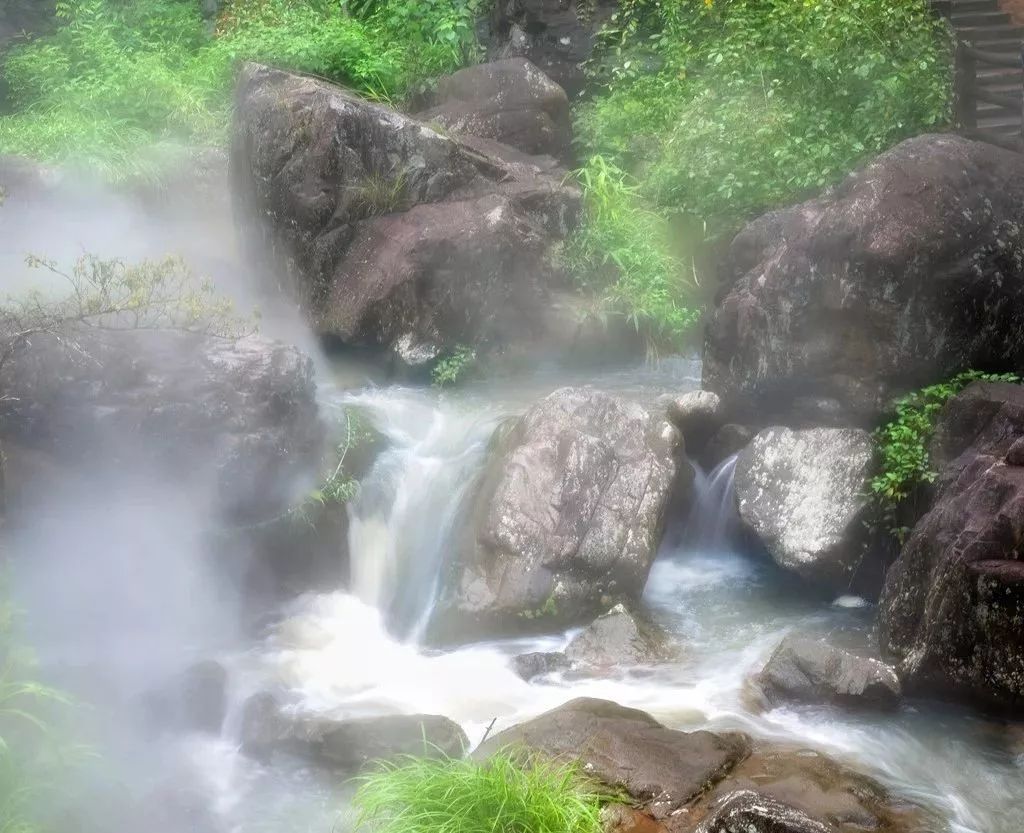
(510, 101)
(908, 271)
(555, 35)
(746, 811)
(393, 234)
(951, 611)
(661, 769)
(617, 639)
(803, 495)
(346, 745)
(813, 671)
(568, 514)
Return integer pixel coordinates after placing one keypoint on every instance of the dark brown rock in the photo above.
(510, 101)
(908, 271)
(568, 515)
(951, 610)
(661, 769)
(393, 234)
(813, 671)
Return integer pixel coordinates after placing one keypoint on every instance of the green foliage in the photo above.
(454, 367)
(903, 442)
(121, 87)
(623, 250)
(727, 107)
(464, 796)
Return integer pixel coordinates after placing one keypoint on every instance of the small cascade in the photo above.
(401, 524)
(711, 522)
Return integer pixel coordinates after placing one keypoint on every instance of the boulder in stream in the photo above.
(951, 611)
(567, 517)
(908, 271)
(803, 495)
(619, 638)
(813, 671)
(510, 101)
(395, 235)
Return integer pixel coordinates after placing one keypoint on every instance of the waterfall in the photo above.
(711, 522)
(402, 521)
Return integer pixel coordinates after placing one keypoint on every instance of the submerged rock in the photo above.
(951, 611)
(346, 745)
(510, 101)
(908, 271)
(803, 495)
(661, 769)
(567, 517)
(812, 671)
(618, 638)
(395, 235)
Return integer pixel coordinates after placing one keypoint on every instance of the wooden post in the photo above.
(965, 103)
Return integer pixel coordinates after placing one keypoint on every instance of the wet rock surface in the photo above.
(193, 701)
(345, 745)
(568, 514)
(953, 602)
(659, 768)
(909, 271)
(510, 101)
(539, 663)
(393, 234)
(803, 495)
(619, 638)
(809, 670)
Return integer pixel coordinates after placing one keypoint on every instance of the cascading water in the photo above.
(710, 522)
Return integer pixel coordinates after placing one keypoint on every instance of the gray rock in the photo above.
(728, 440)
(907, 272)
(393, 234)
(345, 745)
(242, 412)
(661, 769)
(812, 671)
(747, 811)
(510, 101)
(951, 609)
(618, 638)
(567, 517)
(193, 701)
(803, 494)
(537, 664)
(698, 415)
(555, 35)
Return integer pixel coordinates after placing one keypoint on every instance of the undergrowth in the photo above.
(454, 367)
(419, 795)
(902, 443)
(723, 108)
(122, 88)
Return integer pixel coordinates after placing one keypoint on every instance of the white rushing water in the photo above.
(357, 653)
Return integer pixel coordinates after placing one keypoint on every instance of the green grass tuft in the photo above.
(463, 796)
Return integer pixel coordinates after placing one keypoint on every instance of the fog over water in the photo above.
(124, 585)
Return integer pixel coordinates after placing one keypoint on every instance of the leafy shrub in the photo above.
(121, 87)
(903, 442)
(464, 796)
(454, 367)
(727, 107)
(623, 250)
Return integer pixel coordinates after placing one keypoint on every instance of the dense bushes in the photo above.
(464, 796)
(726, 107)
(122, 85)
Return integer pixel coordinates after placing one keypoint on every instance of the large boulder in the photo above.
(908, 271)
(241, 412)
(953, 602)
(510, 101)
(661, 769)
(567, 516)
(555, 35)
(803, 495)
(345, 745)
(813, 671)
(393, 234)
